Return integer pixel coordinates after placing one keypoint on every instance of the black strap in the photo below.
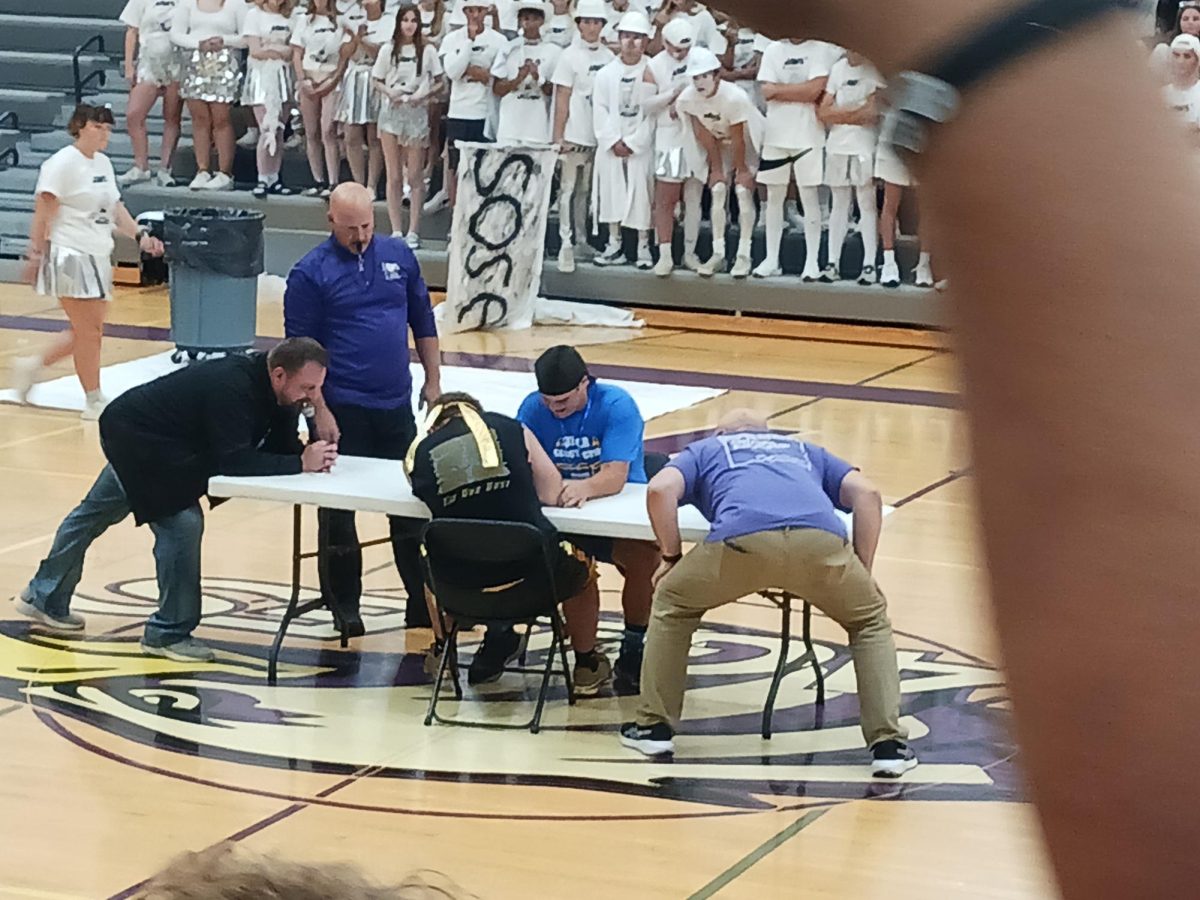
(994, 44)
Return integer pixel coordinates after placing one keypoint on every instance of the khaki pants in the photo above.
(814, 565)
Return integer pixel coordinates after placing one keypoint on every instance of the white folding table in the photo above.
(361, 484)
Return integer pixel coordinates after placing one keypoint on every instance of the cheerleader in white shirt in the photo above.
(521, 79)
(317, 39)
(560, 24)
(210, 33)
(848, 109)
(407, 74)
(77, 208)
(269, 86)
(359, 110)
(152, 68)
(435, 24)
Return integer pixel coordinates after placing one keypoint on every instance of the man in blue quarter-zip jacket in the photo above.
(360, 295)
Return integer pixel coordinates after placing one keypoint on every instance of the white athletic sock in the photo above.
(746, 219)
(269, 178)
(889, 257)
(776, 195)
(614, 235)
(868, 223)
(720, 215)
(839, 223)
(923, 259)
(96, 396)
(810, 198)
(693, 195)
(569, 175)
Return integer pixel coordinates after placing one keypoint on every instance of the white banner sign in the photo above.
(497, 236)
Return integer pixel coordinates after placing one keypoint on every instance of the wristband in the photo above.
(674, 558)
(930, 96)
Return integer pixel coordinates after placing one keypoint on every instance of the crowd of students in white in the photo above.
(649, 106)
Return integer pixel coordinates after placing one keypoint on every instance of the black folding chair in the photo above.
(454, 548)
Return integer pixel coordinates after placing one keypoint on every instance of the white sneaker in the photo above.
(200, 182)
(613, 255)
(714, 264)
(741, 266)
(93, 408)
(25, 370)
(867, 275)
(889, 276)
(249, 140)
(768, 268)
(830, 274)
(645, 261)
(413, 240)
(923, 277)
(692, 262)
(134, 176)
(68, 623)
(164, 178)
(665, 265)
(295, 142)
(219, 182)
(811, 273)
(942, 285)
(566, 259)
(437, 202)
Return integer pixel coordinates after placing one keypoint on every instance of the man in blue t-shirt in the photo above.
(772, 502)
(593, 432)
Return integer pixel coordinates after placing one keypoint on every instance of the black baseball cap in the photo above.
(559, 370)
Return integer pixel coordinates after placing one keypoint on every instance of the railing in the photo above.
(97, 41)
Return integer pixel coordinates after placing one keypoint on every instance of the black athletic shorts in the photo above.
(463, 130)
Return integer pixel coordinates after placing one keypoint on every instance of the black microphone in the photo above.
(309, 412)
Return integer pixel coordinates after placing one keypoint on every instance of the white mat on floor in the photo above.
(497, 390)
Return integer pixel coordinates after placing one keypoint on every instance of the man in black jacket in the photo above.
(163, 441)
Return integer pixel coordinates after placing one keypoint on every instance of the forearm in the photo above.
(868, 524)
(131, 44)
(44, 210)
(664, 519)
(562, 108)
(124, 223)
(808, 92)
(430, 354)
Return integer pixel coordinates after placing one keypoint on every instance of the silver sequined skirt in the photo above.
(670, 164)
(269, 85)
(409, 123)
(159, 63)
(360, 100)
(76, 275)
(213, 76)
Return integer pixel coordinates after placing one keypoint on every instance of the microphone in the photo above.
(309, 412)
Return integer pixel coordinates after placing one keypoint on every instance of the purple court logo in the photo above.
(346, 711)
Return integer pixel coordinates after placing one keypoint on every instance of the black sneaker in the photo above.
(891, 759)
(868, 275)
(627, 674)
(830, 274)
(499, 648)
(353, 627)
(652, 740)
(279, 189)
(260, 191)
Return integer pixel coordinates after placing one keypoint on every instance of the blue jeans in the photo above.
(176, 556)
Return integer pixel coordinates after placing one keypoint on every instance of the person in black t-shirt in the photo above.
(163, 441)
(473, 464)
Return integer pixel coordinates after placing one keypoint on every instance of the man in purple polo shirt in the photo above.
(772, 503)
(360, 295)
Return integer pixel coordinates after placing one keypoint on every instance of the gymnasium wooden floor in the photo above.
(111, 763)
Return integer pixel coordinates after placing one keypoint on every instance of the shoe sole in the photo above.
(516, 654)
(168, 653)
(29, 611)
(892, 768)
(649, 748)
(590, 690)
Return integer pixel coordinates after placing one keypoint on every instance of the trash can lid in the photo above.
(222, 214)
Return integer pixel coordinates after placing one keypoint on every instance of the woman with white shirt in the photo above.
(407, 74)
(210, 33)
(268, 89)
(77, 208)
(435, 25)
(152, 68)
(317, 41)
(359, 110)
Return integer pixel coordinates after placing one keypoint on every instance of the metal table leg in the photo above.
(783, 665)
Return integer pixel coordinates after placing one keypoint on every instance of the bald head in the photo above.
(352, 216)
(742, 420)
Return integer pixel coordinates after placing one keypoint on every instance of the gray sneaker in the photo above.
(187, 650)
(68, 622)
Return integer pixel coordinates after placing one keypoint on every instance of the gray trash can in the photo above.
(215, 258)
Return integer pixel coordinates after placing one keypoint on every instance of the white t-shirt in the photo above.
(427, 25)
(559, 29)
(632, 110)
(351, 14)
(192, 25)
(525, 112)
(378, 33)
(729, 106)
(795, 126)
(669, 74)
(470, 99)
(1185, 102)
(274, 30)
(401, 74)
(321, 40)
(87, 195)
(851, 87)
(705, 27)
(576, 69)
(152, 19)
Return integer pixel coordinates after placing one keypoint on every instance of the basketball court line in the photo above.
(756, 855)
